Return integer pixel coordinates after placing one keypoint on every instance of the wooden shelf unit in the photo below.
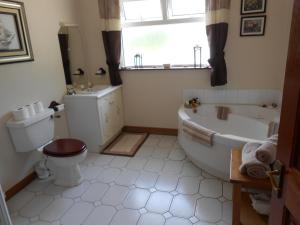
(242, 212)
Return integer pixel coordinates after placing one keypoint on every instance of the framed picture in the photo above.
(15, 43)
(253, 6)
(253, 26)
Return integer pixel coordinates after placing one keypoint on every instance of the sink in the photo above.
(92, 90)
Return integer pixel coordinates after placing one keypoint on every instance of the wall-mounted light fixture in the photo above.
(100, 72)
(78, 72)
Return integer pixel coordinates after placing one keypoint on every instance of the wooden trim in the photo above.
(19, 186)
(151, 130)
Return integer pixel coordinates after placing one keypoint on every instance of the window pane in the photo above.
(163, 44)
(142, 10)
(180, 8)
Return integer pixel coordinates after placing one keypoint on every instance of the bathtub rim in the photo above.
(227, 139)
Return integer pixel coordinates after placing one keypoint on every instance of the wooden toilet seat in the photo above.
(64, 148)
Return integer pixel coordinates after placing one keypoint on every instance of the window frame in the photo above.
(166, 20)
(165, 9)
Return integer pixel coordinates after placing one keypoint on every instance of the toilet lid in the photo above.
(64, 148)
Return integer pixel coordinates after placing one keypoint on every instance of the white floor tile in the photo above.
(177, 154)
(119, 161)
(56, 209)
(77, 214)
(204, 223)
(136, 199)
(154, 165)
(37, 185)
(209, 210)
(211, 188)
(227, 212)
(145, 151)
(167, 141)
(166, 182)
(19, 221)
(126, 216)
(109, 175)
(95, 192)
(151, 188)
(178, 221)
(101, 215)
(173, 167)
(152, 141)
(127, 177)
(188, 185)
(136, 163)
(40, 223)
(35, 206)
(115, 195)
(159, 202)
(151, 219)
(146, 180)
(227, 190)
(19, 200)
(189, 169)
(183, 206)
(103, 160)
(161, 153)
(91, 172)
(54, 190)
(76, 191)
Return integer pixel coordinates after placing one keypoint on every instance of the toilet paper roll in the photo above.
(38, 107)
(21, 114)
(30, 109)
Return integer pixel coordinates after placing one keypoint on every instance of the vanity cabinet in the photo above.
(111, 114)
(95, 118)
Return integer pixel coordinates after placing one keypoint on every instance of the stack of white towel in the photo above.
(257, 158)
(261, 202)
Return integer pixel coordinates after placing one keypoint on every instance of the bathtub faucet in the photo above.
(194, 103)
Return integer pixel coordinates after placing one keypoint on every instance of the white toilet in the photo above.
(36, 133)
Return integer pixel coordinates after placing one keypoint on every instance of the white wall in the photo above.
(43, 79)
(152, 98)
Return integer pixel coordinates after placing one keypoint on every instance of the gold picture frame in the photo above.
(15, 45)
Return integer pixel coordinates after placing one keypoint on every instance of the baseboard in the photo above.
(19, 186)
(151, 130)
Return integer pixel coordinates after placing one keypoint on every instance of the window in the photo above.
(164, 32)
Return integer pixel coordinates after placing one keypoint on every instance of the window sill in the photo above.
(150, 68)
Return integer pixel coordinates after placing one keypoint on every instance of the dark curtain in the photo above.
(217, 37)
(217, 12)
(112, 45)
(64, 49)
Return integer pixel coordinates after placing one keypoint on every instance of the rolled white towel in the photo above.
(266, 153)
(250, 165)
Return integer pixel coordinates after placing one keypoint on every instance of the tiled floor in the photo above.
(159, 186)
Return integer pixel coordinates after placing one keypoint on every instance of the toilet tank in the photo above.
(30, 134)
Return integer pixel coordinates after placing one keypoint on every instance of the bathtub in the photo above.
(245, 123)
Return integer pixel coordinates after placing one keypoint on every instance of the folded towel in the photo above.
(266, 153)
(197, 131)
(250, 165)
(261, 203)
(222, 112)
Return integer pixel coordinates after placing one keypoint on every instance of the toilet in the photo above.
(37, 133)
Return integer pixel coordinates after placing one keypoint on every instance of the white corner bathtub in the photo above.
(245, 123)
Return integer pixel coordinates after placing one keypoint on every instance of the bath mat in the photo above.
(127, 144)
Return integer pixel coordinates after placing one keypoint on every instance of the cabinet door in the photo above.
(106, 119)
